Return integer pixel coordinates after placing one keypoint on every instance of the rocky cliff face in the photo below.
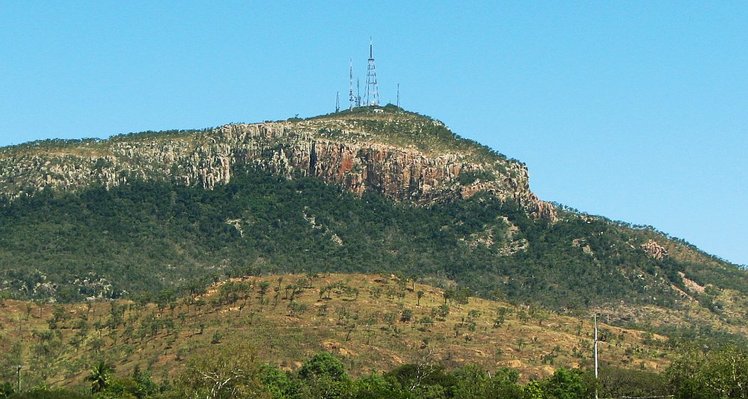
(352, 158)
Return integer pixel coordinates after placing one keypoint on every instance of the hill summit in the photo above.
(401, 155)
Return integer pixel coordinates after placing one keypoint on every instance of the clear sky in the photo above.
(634, 110)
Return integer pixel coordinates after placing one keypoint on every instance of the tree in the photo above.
(324, 377)
(375, 387)
(100, 377)
(441, 312)
(472, 383)
(419, 295)
(406, 315)
(144, 385)
(618, 382)
(567, 384)
(719, 374)
(323, 364)
(58, 315)
(500, 317)
(504, 384)
(6, 390)
(263, 290)
(277, 382)
(229, 371)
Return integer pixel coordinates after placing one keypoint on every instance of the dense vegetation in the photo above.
(235, 372)
(150, 239)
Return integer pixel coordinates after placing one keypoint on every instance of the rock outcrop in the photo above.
(654, 250)
(353, 159)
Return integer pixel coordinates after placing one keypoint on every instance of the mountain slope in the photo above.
(373, 322)
(366, 191)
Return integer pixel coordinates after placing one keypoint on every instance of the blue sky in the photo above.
(633, 110)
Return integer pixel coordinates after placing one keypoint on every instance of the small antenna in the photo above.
(351, 99)
(358, 93)
(596, 364)
(398, 95)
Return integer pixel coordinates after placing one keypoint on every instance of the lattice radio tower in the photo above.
(351, 98)
(358, 92)
(372, 91)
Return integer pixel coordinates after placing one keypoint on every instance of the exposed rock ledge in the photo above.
(285, 148)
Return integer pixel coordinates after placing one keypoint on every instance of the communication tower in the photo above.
(358, 92)
(372, 90)
(353, 101)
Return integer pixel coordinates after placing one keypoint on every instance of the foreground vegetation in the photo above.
(236, 372)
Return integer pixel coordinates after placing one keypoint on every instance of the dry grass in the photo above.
(365, 330)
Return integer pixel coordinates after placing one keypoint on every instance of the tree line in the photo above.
(234, 371)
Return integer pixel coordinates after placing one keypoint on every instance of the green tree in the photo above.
(617, 382)
(229, 371)
(504, 384)
(100, 376)
(714, 374)
(324, 377)
(263, 290)
(567, 384)
(6, 390)
(323, 364)
(278, 383)
(406, 315)
(58, 315)
(376, 387)
(472, 382)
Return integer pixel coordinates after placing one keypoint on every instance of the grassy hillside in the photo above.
(398, 127)
(372, 322)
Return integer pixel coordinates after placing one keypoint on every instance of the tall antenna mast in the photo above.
(337, 102)
(358, 92)
(351, 98)
(398, 95)
(372, 91)
(596, 364)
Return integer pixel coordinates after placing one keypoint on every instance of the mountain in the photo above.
(373, 190)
